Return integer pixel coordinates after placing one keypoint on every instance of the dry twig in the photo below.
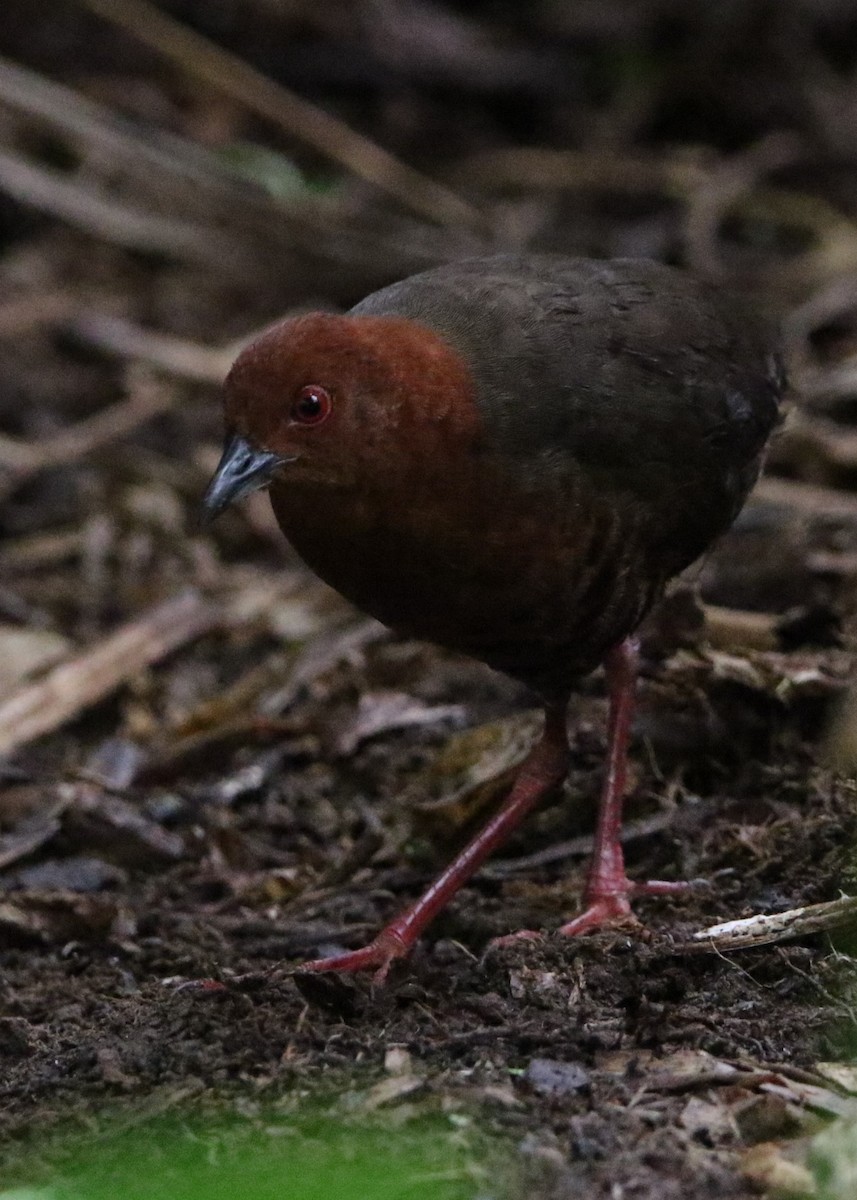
(147, 189)
(201, 58)
(113, 220)
(731, 181)
(765, 928)
(34, 310)
(535, 169)
(807, 498)
(578, 847)
(74, 686)
(189, 360)
(20, 460)
(735, 628)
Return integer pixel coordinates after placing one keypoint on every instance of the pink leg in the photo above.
(608, 890)
(544, 769)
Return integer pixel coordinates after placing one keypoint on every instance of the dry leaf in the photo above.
(709, 1118)
(391, 1089)
(381, 712)
(472, 770)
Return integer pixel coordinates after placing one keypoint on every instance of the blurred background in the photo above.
(207, 758)
(172, 178)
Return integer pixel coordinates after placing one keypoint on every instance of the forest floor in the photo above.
(213, 769)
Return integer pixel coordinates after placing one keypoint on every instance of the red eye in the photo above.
(312, 405)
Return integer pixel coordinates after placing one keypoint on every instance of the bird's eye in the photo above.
(312, 405)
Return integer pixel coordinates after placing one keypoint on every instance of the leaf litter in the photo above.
(213, 769)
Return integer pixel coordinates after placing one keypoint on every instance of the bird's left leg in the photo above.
(543, 770)
(608, 892)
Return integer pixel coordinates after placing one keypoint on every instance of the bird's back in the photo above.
(659, 389)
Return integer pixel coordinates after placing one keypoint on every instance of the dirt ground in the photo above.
(256, 775)
(663, 1044)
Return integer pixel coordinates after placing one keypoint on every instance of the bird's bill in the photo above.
(242, 469)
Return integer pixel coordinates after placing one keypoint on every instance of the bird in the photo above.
(510, 456)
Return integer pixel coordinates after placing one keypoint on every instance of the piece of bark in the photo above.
(766, 928)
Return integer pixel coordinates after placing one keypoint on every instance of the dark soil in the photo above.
(267, 793)
(98, 1010)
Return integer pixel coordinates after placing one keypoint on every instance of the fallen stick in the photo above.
(117, 221)
(178, 356)
(35, 310)
(78, 683)
(149, 397)
(82, 681)
(231, 75)
(578, 847)
(734, 628)
(765, 928)
(810, 498)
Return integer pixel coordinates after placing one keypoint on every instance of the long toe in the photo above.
(520, 935)
(606, 911)
(614, 907)
(377, 956)
(667, 887)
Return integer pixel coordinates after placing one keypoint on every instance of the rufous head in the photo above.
(336, 401)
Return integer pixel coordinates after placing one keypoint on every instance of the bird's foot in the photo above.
(613, 907)
(379, 954)
(605, 910)
(601, 913)
(511, 939)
